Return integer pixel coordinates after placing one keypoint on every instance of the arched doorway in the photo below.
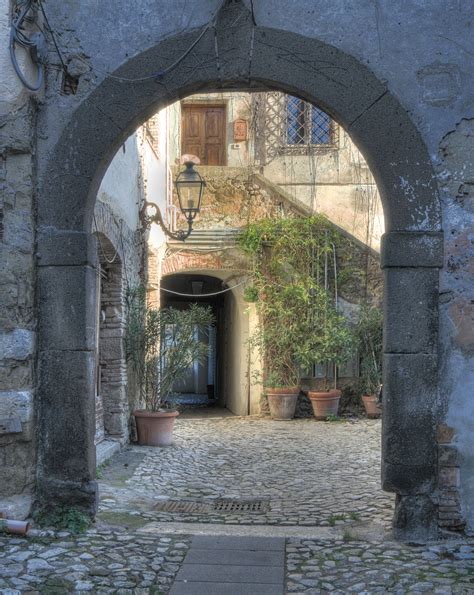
(224, 380)
(412, 247)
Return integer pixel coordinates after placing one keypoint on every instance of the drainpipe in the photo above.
(14, 527)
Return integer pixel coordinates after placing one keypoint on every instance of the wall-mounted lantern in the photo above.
(189, 187)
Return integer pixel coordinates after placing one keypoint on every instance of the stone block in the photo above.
(412, 249)
(325, 75)
(410, 401)
(17, 460)
(17, 344)
(449, 477)
(112, 348)
(17, 404)
(18, 230)
(16, 375)
(408, 479)
(53, 494)
(407, 186)
(415, 519)
(229, 588)
(444, 434)
(57, 247)
(448, 455)
(236, 573)
(411, 310)
(10, 425)
(224, 542)
(66, 414)
(67, 307)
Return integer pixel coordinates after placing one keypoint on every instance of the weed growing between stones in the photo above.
(69, 519)
(336, 517)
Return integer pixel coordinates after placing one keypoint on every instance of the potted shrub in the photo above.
(368, 332)
(329, 344)
(298, 324)
(161, 345)
(276, 338)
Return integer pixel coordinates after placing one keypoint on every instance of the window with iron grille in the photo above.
(287, 125)
(306, 124)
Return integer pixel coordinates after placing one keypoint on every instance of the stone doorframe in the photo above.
(412, 246)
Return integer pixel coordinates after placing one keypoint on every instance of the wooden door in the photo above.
(203, 133)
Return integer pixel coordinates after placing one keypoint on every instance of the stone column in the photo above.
(66, 289)
(411, 263)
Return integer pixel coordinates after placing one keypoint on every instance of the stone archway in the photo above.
(412, 246)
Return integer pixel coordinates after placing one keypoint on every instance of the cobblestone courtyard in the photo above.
(323, 528)
(304, 473)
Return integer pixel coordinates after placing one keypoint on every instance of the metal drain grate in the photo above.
(183, 506)
(240, 505)
(220, 505)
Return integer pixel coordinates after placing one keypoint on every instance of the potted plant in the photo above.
(161, 345)
(368, 333)
(330, 344)
(276, 338)
(289, 259)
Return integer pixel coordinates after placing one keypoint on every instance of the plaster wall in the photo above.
(333, 180)
(236, 382)
(122, 186)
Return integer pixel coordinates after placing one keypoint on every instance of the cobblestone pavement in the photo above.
(305, 472)
(140, 562)
(102, 562)
(345, 566)
(321, 481)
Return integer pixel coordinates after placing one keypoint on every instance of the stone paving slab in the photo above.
(217, 573)
(231, 557)
(205, 542)
(226, 589)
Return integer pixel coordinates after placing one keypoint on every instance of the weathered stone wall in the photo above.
(17, 280)
(396, 74)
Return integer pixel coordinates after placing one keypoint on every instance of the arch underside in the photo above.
(412, 247)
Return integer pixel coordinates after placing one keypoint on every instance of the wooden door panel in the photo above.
(213, 155)
(203, 133)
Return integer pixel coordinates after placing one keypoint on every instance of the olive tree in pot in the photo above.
(329, 342)
(368, 333)
(162, 346)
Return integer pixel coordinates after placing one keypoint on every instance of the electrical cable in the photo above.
(193, 295)
(53, 37)
(35, 47)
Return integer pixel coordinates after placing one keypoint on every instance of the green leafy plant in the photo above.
(299, 323)
(69, 519)
(368, 332)
(162, 345)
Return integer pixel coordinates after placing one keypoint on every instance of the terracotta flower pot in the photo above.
(372, 409)
(282, 402)
(155, 428)
(324, 403)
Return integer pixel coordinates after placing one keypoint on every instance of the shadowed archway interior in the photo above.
(249, 58)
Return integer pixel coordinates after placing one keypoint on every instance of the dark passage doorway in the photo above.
(203, 385)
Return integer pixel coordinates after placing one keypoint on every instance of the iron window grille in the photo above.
(288, 125)
(307, 125)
